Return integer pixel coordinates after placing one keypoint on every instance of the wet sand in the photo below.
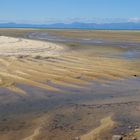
(88, 90)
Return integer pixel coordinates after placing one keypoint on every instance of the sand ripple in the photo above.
(49, 66)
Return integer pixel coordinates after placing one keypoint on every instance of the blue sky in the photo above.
(46, 11)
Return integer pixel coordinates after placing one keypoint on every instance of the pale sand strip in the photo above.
(35, 133)
(106, 124)
(40, 122)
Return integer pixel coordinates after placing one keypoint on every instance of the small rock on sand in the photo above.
(20, 56)
(37, 57)
(134, 138)
(117, 137)
(136, 127)
(77, 138)
(130, 127)
(136, 130)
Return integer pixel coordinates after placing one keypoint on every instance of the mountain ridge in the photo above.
(77, 25)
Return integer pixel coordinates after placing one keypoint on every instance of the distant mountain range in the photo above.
(77, 25)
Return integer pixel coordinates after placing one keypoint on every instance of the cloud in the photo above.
(73, 19)
(134, 20)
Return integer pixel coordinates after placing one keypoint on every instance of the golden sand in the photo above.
(39, 63)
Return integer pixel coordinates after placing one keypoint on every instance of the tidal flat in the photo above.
(69, 84)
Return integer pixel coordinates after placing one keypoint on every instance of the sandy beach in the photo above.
(23, 47)
(64, 85)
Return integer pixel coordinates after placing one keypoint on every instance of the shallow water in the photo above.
(132, 52)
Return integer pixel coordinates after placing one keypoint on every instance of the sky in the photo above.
(52, 11)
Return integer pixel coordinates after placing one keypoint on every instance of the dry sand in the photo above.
(23, 47)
